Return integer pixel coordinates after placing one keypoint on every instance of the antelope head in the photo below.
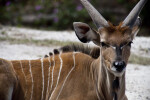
(114, 41)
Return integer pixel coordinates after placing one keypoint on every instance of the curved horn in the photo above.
(131, 18)
(97, 18)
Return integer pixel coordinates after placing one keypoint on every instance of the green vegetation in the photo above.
(60, 14)
(36, 42)
(137, 59)
(47, 14)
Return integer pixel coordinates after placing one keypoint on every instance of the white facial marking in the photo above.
(103, 37)
(24, 78)
(116, 73)
(42, 78)
(48, 74)
(122, 47)
(113, 68)
(113, 47)
(61, 62)
(31, 79)
(67, 76)
(102, 40)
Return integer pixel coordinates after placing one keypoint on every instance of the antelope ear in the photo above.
(85, 34)
(136, 27)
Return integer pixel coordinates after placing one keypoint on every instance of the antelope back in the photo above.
(56, 77)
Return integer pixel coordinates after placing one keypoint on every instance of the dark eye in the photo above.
(104, 44)
(129, 44)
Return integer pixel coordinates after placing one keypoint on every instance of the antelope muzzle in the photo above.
(119, 65)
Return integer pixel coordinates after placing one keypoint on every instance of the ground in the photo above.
(23, 43)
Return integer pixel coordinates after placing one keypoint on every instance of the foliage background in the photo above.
(60, 14)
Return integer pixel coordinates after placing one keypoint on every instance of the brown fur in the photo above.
(113, 28)
(79, 82)
(7, 80)
(80, 85)
(87, 75)
(90, 77)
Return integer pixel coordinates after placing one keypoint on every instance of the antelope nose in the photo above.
(119, 65)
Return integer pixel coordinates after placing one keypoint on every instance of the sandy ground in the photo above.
(137, 77)
(138, 82)
(21, 51)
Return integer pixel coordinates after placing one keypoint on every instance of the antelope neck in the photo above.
(107, 85)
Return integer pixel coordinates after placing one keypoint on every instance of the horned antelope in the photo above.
(76, 72)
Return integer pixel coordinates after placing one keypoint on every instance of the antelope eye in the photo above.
(129, 44)
(104, 44)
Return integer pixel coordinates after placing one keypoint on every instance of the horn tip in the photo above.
(78, 23)
(74, 23)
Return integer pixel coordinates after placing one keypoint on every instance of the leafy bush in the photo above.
(46, 13)
(56, 14)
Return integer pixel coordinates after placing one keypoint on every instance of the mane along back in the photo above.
(94, 52)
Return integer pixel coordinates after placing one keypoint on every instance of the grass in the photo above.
(136, 59)
(36, 42)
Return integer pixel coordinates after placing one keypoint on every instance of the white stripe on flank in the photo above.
(61, 63)
(31, 79)
(53, 71)
(67, 76)
(13, 69)
(49, 59)
(42, 78)
(24, 77)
